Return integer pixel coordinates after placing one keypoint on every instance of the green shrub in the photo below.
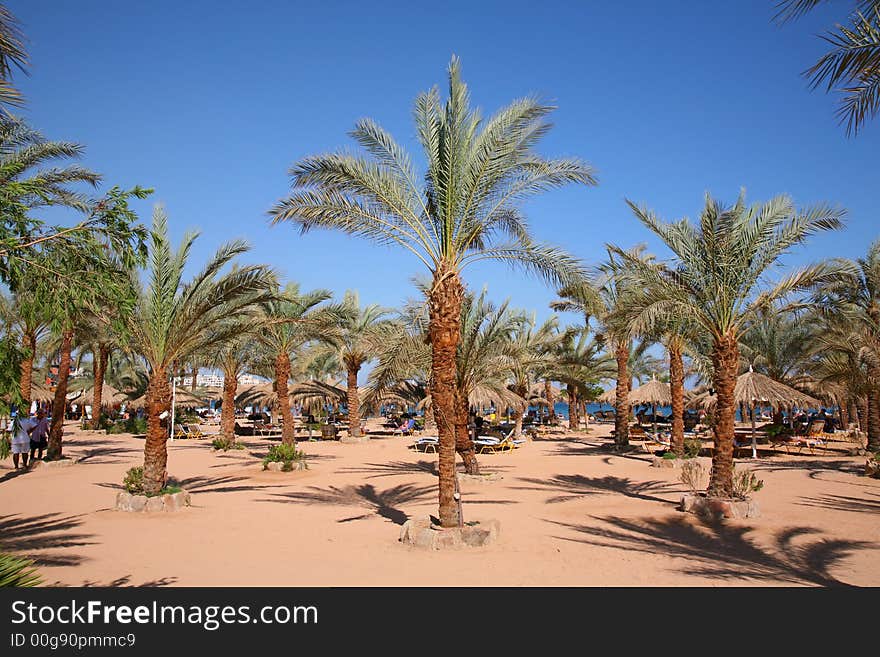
(693, 474)
(774, 430)
(225, 444)
(134, 425)
(692, 447)
(5, 446)
(15, 571)
(669, 455)
(745, 482)
(134, 481)
(169, 490)
(286, 454)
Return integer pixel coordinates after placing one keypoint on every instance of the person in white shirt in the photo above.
(39, 435)
(21, 440)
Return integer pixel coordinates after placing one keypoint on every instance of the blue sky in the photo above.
(211, 102)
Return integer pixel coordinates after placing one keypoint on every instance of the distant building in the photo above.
(215, 380)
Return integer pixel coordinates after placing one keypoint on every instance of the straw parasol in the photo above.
(653, 392)
(182, 398)
(41, 392)
(608, 397)
(110, 396)
(755, 389)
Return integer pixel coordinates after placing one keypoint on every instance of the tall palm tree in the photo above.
(27, 316)
(853, 300)
(291, 319)
(233, 356)
(466, 210)
(12, 56)
(532, 348)
(361, 334)
(580, 362)
(27, 182)
(172, 319)
(715, 279)
(852, 65)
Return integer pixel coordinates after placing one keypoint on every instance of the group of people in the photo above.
(30, 437)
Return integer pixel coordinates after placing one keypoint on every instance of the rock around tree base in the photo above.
(658, 462)
(278, 466)
(172, 502)
(354, 440)
(717, 507)
(58, 463)
(423, 533)
(489, 476)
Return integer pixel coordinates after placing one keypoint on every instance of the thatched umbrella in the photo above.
(754, 389)
(110, 396)
(608, 397)
(653, 392)
(41, 392)
(181, 398)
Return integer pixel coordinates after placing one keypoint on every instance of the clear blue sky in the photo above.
(211, 102)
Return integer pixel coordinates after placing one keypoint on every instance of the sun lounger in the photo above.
(426, 444)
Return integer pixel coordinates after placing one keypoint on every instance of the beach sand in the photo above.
(571, 514)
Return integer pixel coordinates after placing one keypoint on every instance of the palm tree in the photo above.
(26, 314)
(531, 349)
(173, 319)
(580, 363)
(12, 55)
(233, 356)
(465, 211)
(25, 186)
(714, 280)
(852, 65)
(292, 319)
(852, 301)
(485, 358)
(361, 334)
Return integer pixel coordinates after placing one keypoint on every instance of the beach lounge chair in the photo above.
(406, 429)
(195, 431)
(653, 442)
(181, 431)
(426, 444)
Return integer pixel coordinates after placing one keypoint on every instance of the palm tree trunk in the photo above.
(725, 361)
(862, 413)
(97, 397)
(548, 394)
(354, 416)
(874, 420)
(676, 387)
(282, 375)
(195, 375)
(227, 409)
(574, 419)
(445, 299)
(463, 443)
(621, 401)
(156, 443)
(517, 426)
(27, 368)
(59, 403)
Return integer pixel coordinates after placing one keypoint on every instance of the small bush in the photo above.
(15, 571)
(692, 447)
(286, 454)
(134, 481)
(693, 474)
(169, 490)
(225, 444)
(745, 482)
(132, 425)
(5, 446)
(669, 455)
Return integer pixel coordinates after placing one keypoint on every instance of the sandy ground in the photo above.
(571, 514)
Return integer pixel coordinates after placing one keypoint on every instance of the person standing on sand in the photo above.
(39, 435)
(21, 440)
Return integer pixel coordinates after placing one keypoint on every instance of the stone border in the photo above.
(125, 501)
(660, 462)
(354, 440)
(489, 476)
(718, 507)
(278, 466)
(423, 533)
(58, 463)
